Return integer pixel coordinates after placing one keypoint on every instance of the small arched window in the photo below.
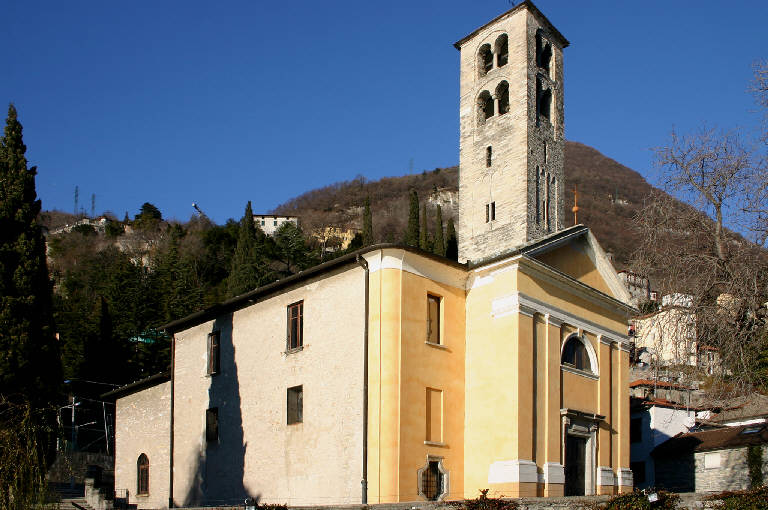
(485, 106)
(502, 94)
(142, 475)
(485, 59)
(502, 50)
(575, 354)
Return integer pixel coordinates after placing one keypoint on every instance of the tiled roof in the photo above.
(750, 406)
(718, 439)
(658, 384)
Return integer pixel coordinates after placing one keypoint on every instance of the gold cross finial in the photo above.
(575, 206)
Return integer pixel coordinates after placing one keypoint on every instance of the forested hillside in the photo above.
(117, 281)
(610, 194)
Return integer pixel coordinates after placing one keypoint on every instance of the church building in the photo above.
(394, 375)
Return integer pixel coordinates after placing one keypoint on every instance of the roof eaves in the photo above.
(532, 246)
(533, 9)
(252, 296)
(148, 382)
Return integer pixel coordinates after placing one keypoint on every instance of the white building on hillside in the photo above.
(269, 223)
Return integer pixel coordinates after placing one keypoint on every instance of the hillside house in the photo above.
(712, 460)
(269, 223)
(652, 422)
(391, 374)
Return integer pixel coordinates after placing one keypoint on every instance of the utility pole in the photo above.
(77, 198)
(93, 205)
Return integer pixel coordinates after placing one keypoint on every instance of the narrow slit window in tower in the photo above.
(538, 197)
(554, 201)
(545, 102)
(547, 203)
(493, 211)
(502, 93)
(487, 213)
(488, 156)
(502, 50)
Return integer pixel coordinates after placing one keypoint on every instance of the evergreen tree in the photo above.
(451, 242)
(30, 366)
(367, 223)
(248, 267)
(412, 232)
(438, 246)
(424, 241)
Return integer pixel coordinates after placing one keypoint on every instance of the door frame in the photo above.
(583, 425)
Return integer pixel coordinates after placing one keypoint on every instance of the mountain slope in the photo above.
(610, 194)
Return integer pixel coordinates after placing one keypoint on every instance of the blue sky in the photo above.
(223, 102)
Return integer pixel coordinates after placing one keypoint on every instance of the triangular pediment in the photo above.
(576, 253)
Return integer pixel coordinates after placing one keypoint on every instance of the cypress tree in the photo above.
(451, 242)
(412, 232)
(438, 247)
(30, 366)
(247, 265)
(367, 223)
(424, 243)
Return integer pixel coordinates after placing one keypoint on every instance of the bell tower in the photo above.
(511, 181)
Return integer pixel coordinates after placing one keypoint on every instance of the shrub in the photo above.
(485, 503)
(753, 499)
(639, 501)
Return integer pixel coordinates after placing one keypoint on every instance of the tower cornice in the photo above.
(527, 4)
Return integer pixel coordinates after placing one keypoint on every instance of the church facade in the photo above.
(394, 375)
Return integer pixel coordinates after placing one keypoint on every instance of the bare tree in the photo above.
(700, 250)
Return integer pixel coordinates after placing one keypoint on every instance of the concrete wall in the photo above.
(142, 425)
(316, 461)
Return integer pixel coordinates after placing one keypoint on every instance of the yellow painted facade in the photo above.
(492, 401)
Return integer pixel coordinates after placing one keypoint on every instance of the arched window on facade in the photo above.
(142, 475)
(485, 106)
(485, 59)
(502, 94)
(575, 354)
(502, 50)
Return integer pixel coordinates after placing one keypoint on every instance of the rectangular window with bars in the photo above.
(295, 340)
(214, 352)
(432, 481)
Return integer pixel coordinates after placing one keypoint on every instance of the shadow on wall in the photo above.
(218, 474)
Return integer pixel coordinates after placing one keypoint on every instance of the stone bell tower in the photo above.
(511, 142)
